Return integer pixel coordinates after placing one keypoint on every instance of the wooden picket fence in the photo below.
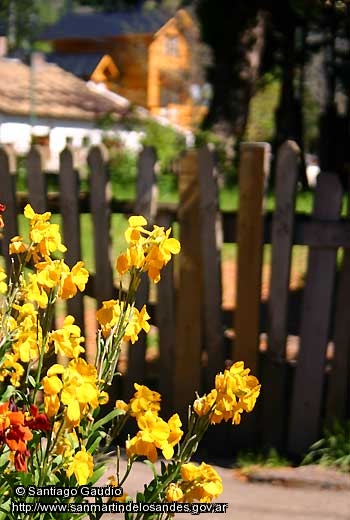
(297, 397)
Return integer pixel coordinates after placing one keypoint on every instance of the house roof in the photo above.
(81, 65)
(50, 92)
(98, 25)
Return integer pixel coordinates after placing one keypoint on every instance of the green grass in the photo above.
(229, 200)
(248, 459)
(333, 449)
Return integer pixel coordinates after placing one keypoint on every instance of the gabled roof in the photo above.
(50, 92)
(81, 65)
(102, 25)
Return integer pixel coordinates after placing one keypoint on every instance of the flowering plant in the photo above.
(52, 424)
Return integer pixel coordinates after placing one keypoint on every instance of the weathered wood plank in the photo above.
(304, 427)
(36, 180)
(211, 242)
(166, 323)
(187, 366)
(338, 397)
(252, 177)
(7, 197)
(100, 195)
(274, 366)
(146, 205)
(69, 202)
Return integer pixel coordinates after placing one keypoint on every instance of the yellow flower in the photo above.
(17, 246)
(80, 391)
(174, 493)
(36, 293)
(144, 399)
(174, 437)
(136, 227)
(122, 405)
(52, 385)
(148, 251)
(56, 273)
(11, 368)
(82, 466)
(29, 333)
(112, 313)
(73, 280)
(45, 237)
(67, 339)
(204, 405)
(108, 315)
(200, 483)
(77, 390)
(155, 433)
(235, 391)
(136, 322)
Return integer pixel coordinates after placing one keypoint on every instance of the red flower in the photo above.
(17, 437)
(38, 421)
(20, 461)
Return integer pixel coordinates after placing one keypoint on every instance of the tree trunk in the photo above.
(238, 56)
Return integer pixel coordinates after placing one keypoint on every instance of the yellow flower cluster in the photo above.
(147, 250)
(113, 313)
(154, 433)
(67, 340)
(201, 483)
(55, 274)
(235, 391)
(75, 388)
(26, 336)
(45, 237)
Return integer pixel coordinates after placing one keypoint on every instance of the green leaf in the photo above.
(32, 381)
(111, 415)
(10, 390)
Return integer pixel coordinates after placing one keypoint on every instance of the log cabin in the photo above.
(145, 56)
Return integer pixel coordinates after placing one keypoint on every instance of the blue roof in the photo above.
(99, 25)
(81, 65)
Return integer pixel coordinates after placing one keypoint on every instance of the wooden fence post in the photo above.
(187, 363)
(253, 168)
(274, 366)
(69, 206)
(100, 196)
(166, 320)
(211, 242)
(146, 205)
(7, 197)
(338, 401)
(314, 331)
(36, 180)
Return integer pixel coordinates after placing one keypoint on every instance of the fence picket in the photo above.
(100, 197)
(211, 242)
(7, 197)
(309, 378)
(274, 365)
(187, 365)
(252, 180)
(146, 205)
(338, 407)
(69, 204)
(166, 323)
(37, 186)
